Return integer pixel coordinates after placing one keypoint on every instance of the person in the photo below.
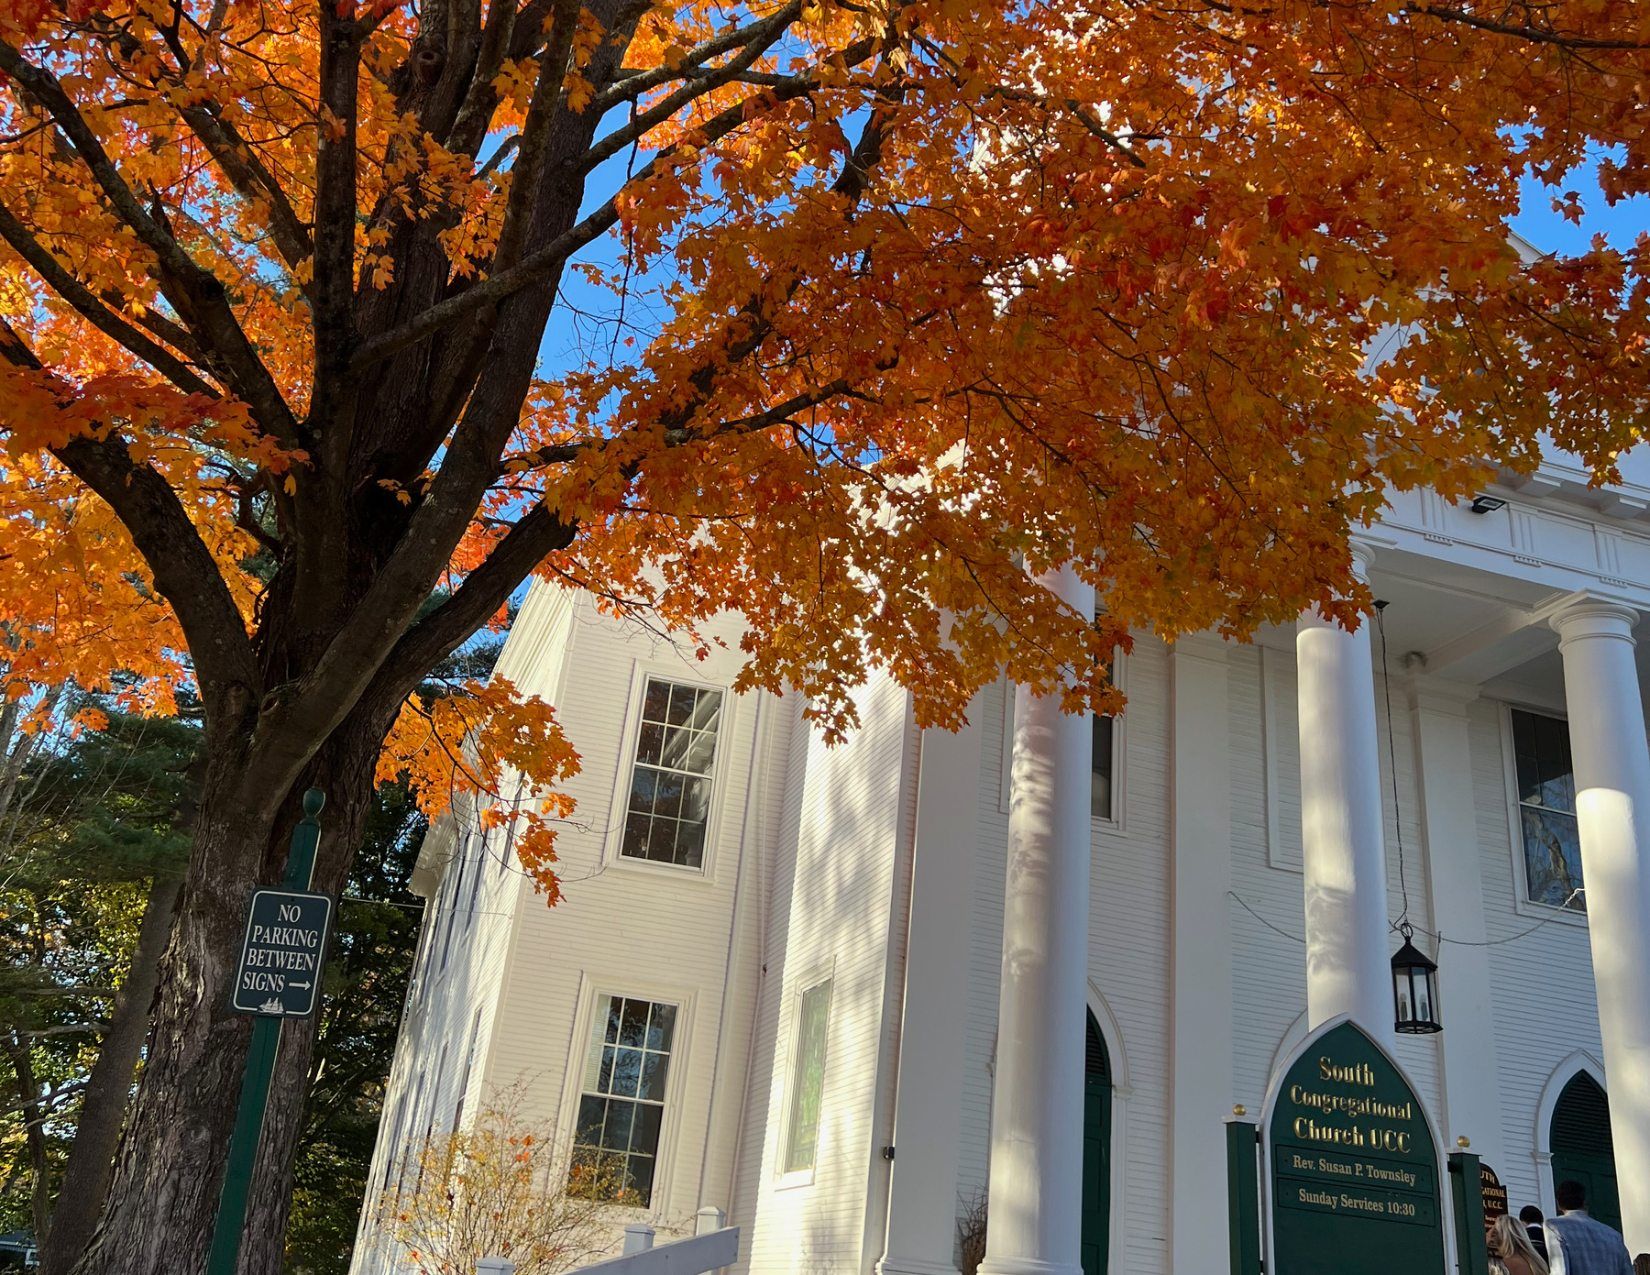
(1511, 1252)
(1641, 1264)
(1577, 1245)
(1535, 1224)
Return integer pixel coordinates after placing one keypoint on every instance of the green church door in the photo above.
(1096, 1154)
(1583, 1150)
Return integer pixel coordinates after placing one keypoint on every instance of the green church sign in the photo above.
(1353, 1169)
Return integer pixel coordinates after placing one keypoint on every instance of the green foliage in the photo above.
(94, 816)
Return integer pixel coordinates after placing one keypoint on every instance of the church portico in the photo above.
(890, 964)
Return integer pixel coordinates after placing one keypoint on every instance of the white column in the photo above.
(1201, 951)
(922, 1192)
(1612, 777)
(1348, 967)
(1443, 764)
(1037, 1091)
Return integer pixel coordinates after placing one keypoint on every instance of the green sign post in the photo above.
(1352, 1165)
(266, 1034)
(1243, 1196)
(1468, 1188)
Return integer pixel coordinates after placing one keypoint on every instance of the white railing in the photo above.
(715, 1247)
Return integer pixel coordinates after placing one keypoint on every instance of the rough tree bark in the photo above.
(91, 1160)
(186, 1099)
(268, 1206)
(163, 1222)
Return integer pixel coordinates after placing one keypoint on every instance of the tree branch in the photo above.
(536, 535)
(57, 277)
(533, 268)
(678, 433)
(535, 131)
(198, 295)
(762, 32)
(248, 174)
(1524, 31)
(185, 572)
(544, 262)
(333, 326)
(639, 125)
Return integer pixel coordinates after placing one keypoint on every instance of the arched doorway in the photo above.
(1096, 1152)
(1582, 1147)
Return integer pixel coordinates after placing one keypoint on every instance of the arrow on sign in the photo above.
(305, 986)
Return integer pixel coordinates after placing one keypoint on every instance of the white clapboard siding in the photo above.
(1545, 1004)
(454, 1003)
(843, 887)
(645, 930)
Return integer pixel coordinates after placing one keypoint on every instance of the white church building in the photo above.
(871, 999)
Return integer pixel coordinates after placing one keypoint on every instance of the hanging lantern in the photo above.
(1414, 989)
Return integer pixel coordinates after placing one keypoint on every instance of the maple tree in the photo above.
(877, 310)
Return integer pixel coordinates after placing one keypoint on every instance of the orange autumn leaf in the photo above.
(475, 743)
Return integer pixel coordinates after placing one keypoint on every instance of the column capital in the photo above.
(1363, 557)
(1588, 616)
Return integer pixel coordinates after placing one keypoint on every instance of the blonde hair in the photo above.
(1509, 1237)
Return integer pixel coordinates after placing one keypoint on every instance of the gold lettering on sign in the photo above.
(1371, 1124)
(1353, 1074)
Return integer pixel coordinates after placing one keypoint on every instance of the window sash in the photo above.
(1544, 777)
(622, 1099)
(807, 1079)
(1103, 769)
(667, 803)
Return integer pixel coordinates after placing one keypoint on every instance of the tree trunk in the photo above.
(263, 1243)
(108, 1091)
(163, 1200)
(28, 1090)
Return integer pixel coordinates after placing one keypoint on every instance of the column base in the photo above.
(915, 1266)
(1026, 1266)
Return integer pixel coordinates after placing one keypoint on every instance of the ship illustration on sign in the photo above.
(272, 1006)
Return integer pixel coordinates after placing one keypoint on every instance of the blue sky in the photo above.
(1544, 228)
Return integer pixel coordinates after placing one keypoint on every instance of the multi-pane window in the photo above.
(813, 1017)
(617, 1139)
(1100, 777)
(1547, 810)
(670, 783)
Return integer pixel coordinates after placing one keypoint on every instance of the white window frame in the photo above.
(1274, 725)
(1117, 824)
(592, 989)
(613, 855)
(820, 977)
(812, 976)
(1523, 904)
